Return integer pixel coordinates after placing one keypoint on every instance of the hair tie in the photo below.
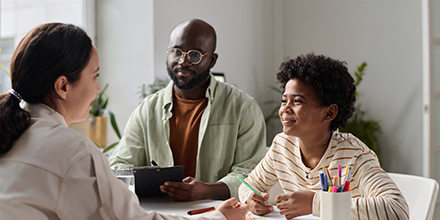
(15, 94)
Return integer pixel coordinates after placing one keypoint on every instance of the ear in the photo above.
(61, 87)
(214, 58)
(331, 112)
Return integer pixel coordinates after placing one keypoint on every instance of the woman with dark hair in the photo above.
(49, 171)
(318, 98)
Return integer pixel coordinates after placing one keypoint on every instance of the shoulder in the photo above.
(52, 148)
(348, 144)
(227, 94)
(154, 103)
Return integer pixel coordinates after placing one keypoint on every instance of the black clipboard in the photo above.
(148, 179)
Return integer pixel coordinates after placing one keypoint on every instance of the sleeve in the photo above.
(250, 147)
(262, 178)
(131, 148)
(92, 186)
(378, 197)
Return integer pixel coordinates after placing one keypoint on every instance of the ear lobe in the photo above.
(214, 58)
(61, 87)
(331, 112)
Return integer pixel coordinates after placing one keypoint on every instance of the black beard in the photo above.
(198, 80)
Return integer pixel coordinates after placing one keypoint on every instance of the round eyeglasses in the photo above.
(177, 55)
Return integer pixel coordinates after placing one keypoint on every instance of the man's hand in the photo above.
(191, 189)
(295, 204)
(259, 205)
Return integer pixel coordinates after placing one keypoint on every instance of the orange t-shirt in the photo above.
(184, 131)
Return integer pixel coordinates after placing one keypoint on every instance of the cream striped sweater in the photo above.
(374, 194)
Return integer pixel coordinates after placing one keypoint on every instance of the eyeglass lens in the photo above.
(193, 55)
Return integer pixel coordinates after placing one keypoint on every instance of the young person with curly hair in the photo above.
(318, 99)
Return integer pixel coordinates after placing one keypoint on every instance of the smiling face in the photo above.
(83, 92)
(194, 35)
(301, 113)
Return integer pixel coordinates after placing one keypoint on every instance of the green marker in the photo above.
(253, 190)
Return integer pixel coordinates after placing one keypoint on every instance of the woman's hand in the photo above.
(233, 210)
(295, 204)
(259, 205)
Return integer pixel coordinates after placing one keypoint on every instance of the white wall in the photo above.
(253, 38)
(125, 47)
(245, 39)
(387, 35)
(125, 41)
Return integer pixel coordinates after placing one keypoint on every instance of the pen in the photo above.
(153, 162)
(328, 173)
(200, 211)
(339, 174)
(335, 182)
(253, 190)
(322, 180)
(347, 180)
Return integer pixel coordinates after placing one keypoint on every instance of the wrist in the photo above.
(218, 190)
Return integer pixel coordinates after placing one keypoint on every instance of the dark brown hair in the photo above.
(330, 80)
(45, 53)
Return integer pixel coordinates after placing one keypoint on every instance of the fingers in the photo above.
(258, 198)
(282, 197)
(232, 209)
(178, 186)
(258, 205)
(188, 179)
(266, 195)
(232, 201)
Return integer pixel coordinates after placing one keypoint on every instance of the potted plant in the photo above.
(157, 85)
(359, 126)
(98, 127)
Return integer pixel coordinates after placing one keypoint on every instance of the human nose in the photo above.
(184, 59)
(286, 108)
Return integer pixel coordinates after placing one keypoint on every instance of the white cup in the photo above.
(124, 172)
(335, 206)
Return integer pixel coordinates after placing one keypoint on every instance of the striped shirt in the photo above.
(231, 141)
(374, 194)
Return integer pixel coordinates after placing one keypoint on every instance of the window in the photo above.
(19, 17)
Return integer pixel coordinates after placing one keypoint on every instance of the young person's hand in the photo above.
(233, 210)
(295, 204)
(191, 189)
(259, 205)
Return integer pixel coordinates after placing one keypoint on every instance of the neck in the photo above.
(193, 94)
(57, 106)
(313, 148)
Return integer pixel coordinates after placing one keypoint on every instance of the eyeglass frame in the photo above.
(184, 54)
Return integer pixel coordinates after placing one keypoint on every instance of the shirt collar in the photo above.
(168, 96)
(41, 110)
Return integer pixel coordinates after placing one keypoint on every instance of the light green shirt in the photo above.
(231, 142)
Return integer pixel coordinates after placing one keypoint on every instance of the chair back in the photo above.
(420, 194)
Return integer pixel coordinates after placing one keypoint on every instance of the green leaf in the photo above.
(110, 147)
(114, 125)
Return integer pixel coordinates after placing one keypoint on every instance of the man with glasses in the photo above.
(216, 130)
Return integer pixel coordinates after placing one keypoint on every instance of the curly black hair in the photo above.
(330, 80)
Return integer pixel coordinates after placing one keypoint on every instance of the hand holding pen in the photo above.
(233, 210)
(295, 204)
(258, 203)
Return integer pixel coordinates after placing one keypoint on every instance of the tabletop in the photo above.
(167, 205)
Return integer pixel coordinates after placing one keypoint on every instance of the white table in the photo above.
(167, 205)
